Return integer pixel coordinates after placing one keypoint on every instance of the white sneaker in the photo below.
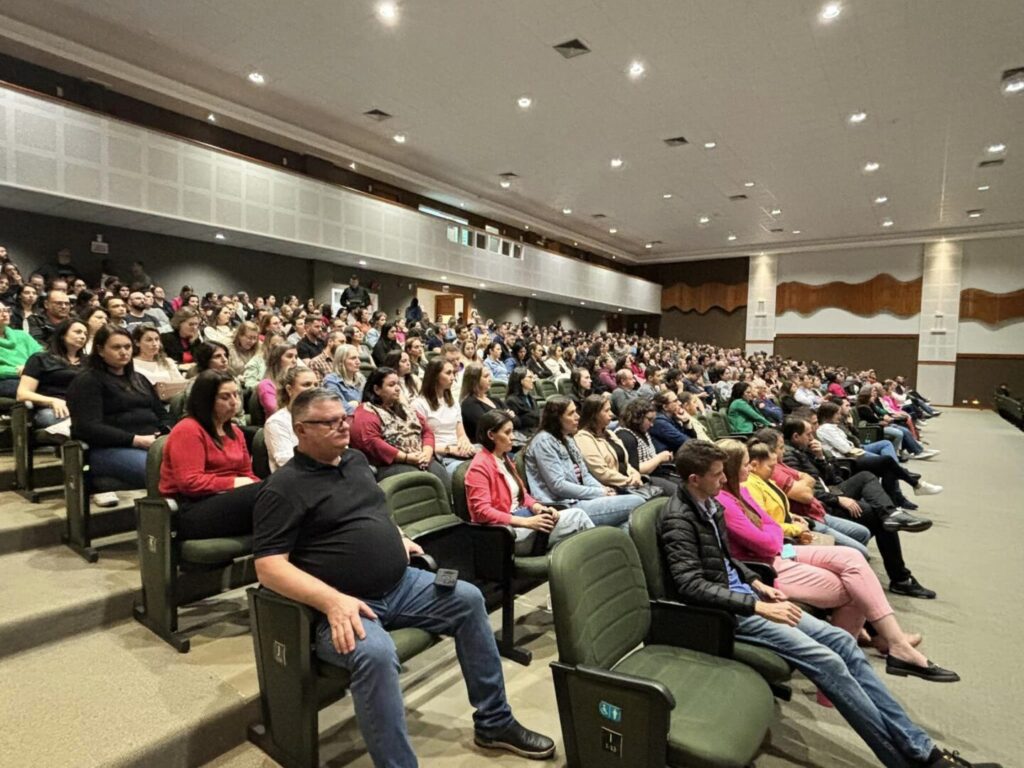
(924, 488)
(926, 454)
(108, 499)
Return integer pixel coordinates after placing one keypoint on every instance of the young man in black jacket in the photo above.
(694, 543)
(860, 498)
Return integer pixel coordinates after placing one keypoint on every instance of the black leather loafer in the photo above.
(911, 587)
(931, 673)
(520, 741)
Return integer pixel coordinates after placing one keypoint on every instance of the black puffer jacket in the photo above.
(821, 470)
(695, 560)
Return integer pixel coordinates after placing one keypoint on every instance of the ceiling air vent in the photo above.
(777, 230)
(377, 114)
(570, 49)
(677, 141)
(990, 163)
(508, 175)
(599, 216)
(738, 198)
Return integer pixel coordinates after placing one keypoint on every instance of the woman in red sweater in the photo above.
(496, 494)
(206, 466)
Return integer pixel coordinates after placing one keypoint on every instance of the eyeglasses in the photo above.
(332, 424)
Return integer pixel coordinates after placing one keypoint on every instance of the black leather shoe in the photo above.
(904, 521)
(943, 758)
(932, 673)
(911, 587)
(520, 741)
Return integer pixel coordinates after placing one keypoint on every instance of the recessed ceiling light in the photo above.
(483, 285)
(995, 149)
(582, 303)
(984, 188)
(616, 162)
(524, 102)
(362, 262)
(797, 231)
(388, 12)
(881, 200)
(352, 166)
(462, 205)
(636, 69)
(975, 213)
(567, 211)
(619, 309)
(748, 184)
(856, 118)
(256, 78)
(871, 167)
(533, 294)
(776, 211)
(505, 183)
(710, 144)
(211, 117)
(526, 226)
(830, 12)
(444, 277)
(399, 138)
(220, 236)
(612, 231)
(704, 219)
(667, 196)
(887, 223)
(1013, 81)
(575, 243)
(730, 238)
(648, 245)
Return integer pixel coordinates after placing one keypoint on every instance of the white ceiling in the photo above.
(767, 81)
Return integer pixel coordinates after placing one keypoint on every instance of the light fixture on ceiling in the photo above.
(256, 78)
(220, 236)
(856, 118)
(636, 69)
(667, 196)
(648, 246)
(575, 244)
(444, 277)
(462, 205)
(616, 162)
(710, 144)
(211, 118)
(881, 200)
(399, 138)
(582, 303)
(797, 231)
(731, 238)
(526, 226)
(567, 211)
(871, 167)
(352, 166)
(533, 294)
(887, 223)
(504, 183)
(830, 12)
(613, 231)
(996, 149)
(388, 12)
(776, 211)
(748, 184)
(483, 285)
(704, 219)
(524, 102)
(1013, 81)
(984, 188)
(362, 262)
(975, 213)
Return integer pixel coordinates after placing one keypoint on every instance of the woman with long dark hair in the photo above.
(520, 400)
(407, 380)
(387, 343)
(178, 342)
(634, 431)
(48, 374)
(443, 415)
(580, 385)
(744, 417)
(206, 464)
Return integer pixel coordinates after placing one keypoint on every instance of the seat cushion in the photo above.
(723, 708)
(430, 524)
(768, 664)
(532, 567)
(214, 551)
(408, 643)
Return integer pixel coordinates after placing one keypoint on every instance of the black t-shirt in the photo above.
(53, 373)
(333, 523)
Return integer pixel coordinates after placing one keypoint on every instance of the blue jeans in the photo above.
(610, 510)
(44, 417)
(847, 533)
(895, 435)
(9, 386)
(909, 442)
(882, 448)
(125, 464)
(374, 666)
(830, 658)
(570, 521)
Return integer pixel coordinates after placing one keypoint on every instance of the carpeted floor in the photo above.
(972, 557)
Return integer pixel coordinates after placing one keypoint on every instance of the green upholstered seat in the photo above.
(215, 551)
(419, 503)
(498, 389)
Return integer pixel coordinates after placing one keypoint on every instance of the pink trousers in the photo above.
(837, 578)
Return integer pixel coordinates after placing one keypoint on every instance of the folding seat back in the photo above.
(260, 455)
(498, 389)
(419, 503)
(257, 416)
(546, 388)
(564, 386)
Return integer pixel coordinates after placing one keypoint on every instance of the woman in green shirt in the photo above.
(744, 417)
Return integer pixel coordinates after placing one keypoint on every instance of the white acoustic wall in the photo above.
(761, 319)
(940, 314)
(67, 162)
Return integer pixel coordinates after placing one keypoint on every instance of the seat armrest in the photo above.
(709, 630)
(493, 551)
(764, 572)
(424, 562)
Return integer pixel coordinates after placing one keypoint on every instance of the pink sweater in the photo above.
(746, 540)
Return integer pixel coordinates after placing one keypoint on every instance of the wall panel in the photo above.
(889, 355)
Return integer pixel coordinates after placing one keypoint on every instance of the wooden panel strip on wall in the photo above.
(991, 308)
(882, 293)
(701, 298)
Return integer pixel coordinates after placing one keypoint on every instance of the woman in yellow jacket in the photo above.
(770, 497)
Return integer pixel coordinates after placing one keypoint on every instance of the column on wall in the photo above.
(761, 286)
(939, 321)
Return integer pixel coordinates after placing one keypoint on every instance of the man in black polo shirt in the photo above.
(323, 536)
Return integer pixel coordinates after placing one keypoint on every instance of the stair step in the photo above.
(26, 526)
(119, 698)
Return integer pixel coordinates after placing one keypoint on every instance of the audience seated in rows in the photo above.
(49, 372)
(408, 382)
(521, 400)
(278, 434)
(281, 358)
(634, 434)
(744, 416)
(437, 407)
(605, 454)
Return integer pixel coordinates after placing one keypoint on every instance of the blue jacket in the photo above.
(551, 474)
(347, 392)
(498, 370)
(666, 434)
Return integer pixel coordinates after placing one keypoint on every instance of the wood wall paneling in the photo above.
(882, 293)
(888, 355)
(991, 308)
(688, 298)
(716, 326)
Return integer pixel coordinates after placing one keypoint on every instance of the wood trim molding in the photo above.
(882, 293)
(985, 356)
(991, 308)
(700, 299)
(845, 336)
(937, 362)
